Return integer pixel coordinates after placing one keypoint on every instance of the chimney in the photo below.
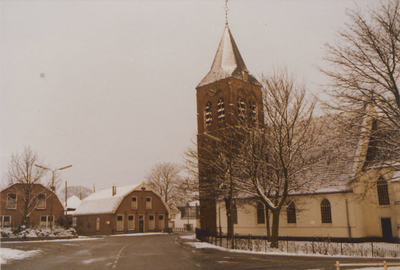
(114, 190)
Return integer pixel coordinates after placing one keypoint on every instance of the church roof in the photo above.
(228, 62)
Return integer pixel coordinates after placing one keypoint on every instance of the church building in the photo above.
(354, 199)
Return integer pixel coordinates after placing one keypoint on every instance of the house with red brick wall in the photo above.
(37, 202)
(127, 209)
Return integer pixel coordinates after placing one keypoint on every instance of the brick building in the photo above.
(128, 209)
(43, 208)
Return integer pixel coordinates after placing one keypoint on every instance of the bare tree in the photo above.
(22, 171)
(274, 154)
(166, 179)
(364, 72)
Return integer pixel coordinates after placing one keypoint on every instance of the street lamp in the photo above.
(52, 188)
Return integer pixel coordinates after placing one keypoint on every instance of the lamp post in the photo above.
(52, 188)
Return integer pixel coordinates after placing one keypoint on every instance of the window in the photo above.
(234, 214)
(161, 223)
(131, 222)
(260, 213)
(41, 201)
(120, 223)
(383, 192)
(46, 221)
(241, 108)
(326, 215)
(5, 221)
(208, 111)
(149, 205)
(11, 201)
(97, 224)
(291, 212)
(74, 222)
(152, 222)
(134, 203)
(253, 111)
(221, 110)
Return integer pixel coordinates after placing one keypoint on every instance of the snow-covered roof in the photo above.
(73, 202)
(228, 62)
(103, 201)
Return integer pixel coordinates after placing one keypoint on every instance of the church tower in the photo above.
(227, 95)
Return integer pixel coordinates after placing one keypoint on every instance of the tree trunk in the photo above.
(268, 225)
(275, 229)
(229, 217)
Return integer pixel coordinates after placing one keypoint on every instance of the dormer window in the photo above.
(253, 111)
(221, 110)
(208, 111)
(241, 108)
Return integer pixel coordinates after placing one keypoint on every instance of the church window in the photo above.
(260, 213)
(383, 192)
(291, 212)
(253, 111)
(326, 214)
(234, 214)
(221, 110)
(208, 112)
(241, 108)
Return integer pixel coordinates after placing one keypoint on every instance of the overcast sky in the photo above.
(109, 86)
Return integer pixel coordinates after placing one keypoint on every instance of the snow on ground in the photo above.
(9, 254)
(191, 237)
(80, 238)
(136, 234)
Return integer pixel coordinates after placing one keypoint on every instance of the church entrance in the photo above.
(386, 229)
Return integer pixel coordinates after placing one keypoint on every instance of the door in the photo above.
(386, 229)
(141, 224)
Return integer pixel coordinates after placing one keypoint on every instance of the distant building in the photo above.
(128, 209)
(43, 209)
(187, 217)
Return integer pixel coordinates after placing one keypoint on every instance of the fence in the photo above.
(384, 264)
(371, 249)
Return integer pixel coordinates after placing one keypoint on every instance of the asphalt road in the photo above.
(151, 252)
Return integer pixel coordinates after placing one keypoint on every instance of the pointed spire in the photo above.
(228, 62)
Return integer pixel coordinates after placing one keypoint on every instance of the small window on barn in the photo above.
(131, 222)
(260, 213)
(134, 203)
(149, 204)
(291, 212)
(326, 214)
(221, 110)
(161, 222)
(5, 221)
(383, 192)
(41, 201)
(208, 113)
(11, 201)
(234, 214)
(97, 224)
(46, 221)
(152, 222)
(74, 222)
(120, 223)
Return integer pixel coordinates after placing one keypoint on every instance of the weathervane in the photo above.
(226, 12)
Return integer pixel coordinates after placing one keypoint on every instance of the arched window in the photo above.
(383, 192)
(241, 108)
(208, 112)
(234, 214)
(326, 214)
(221, 110)
(260, 213)
(253, 111)
(291, 212)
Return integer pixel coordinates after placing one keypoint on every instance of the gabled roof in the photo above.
(104, 202)
(228, 62)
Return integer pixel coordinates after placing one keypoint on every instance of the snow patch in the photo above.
(9, 254)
